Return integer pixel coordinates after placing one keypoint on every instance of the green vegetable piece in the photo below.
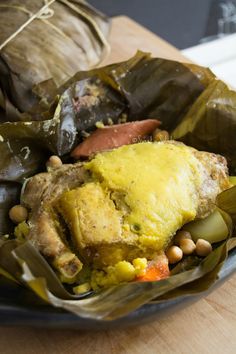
(212, 229)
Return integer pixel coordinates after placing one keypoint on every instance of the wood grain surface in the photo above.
(207, 327)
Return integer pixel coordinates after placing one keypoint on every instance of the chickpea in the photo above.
(54, 162)
(187, 246)
(182, 235)
(203, 247)
(174, 254)
(160, 135)
(18, 213)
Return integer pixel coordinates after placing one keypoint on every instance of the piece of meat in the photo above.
(39, 195)
(111, 137)
(44, 191)
(216, 180)
(47, 186)
(52, 246)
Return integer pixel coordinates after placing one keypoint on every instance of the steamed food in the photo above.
(116, 214)
(143, 194)
(61, 240)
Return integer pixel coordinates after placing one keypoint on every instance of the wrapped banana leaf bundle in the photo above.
(42, 40)
(92, 245)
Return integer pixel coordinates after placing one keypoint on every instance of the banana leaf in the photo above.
(205, 75)
(210, 124)
(226, 201)
(139, 88)
(116, 301)
(149, 87)
(9, 196)
(95, 96)
(67, 37)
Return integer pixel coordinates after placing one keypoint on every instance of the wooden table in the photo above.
(208, 326)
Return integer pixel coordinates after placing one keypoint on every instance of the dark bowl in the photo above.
(21, 307)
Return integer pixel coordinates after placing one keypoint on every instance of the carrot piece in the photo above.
(114, 136)
(156, 270)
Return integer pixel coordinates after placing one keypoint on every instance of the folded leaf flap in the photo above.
(205, 75)
(140, 87)
(116, 301)
(227, 202)
(39, 267)
(152, 87)
(210, 123)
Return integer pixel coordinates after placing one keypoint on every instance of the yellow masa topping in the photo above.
(158, 183)
(122, 271)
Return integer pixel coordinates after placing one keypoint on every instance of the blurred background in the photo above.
(183, 23)
(205, 30)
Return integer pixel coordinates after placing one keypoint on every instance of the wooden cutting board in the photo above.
(208, 326)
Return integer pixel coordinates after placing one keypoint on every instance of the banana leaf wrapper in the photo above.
(139, 88)
(227, 202)
(70, 37)
(25, 265)
(210, 124)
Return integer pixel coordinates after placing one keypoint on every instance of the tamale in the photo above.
(66, 37)
(139, 88)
